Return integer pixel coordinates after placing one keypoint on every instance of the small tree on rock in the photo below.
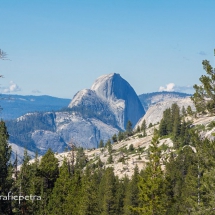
(129, 130)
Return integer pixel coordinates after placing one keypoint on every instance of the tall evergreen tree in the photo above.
(48, 171)
(81, 159)
(129, 130)
(183, 111)
(109, 146)
(58, 203)
(176, 120)
(36, 185)
(143, 127)
(189, 111)
(23, 185)
(138, 129)
(114, 138)
(75, 194)
(120, 195)
(204, 96)
(204, 151)
(152, 186)
(166, 124)
(5, 169)
(120, 136)
(107, 192)
(132, 194)
(89, 199)
(101, 144)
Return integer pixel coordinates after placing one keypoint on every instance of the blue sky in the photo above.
(60, 47)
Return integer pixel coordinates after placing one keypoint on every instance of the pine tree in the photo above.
(107, 192)
(49, 168)
(129, 130)
(144, 127)
(36, 186)
(132, 194)
(138, 129)
(120, 195)
(75, 194)
(205, 165)
(183, 111)
(163, 128)
(101, 144)
(114, 138)
(89, 201)
(110, 159)
(58, 203)
(152, 186)
(23, 185)
(182, 177)
(150, 125)
(5, 170)
(131, 148)
(166, 123)
(189, 111)
(176, 121)
(81, 159)
(204, 96)
(168, 117)
(120, 136)
(109, 146)
(48, 171)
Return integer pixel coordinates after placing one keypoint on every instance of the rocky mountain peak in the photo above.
(114, 94)
(112, 87)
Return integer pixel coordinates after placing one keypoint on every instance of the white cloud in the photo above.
(171, 87)
(12, 88)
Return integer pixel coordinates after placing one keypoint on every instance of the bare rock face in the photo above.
(150, 99)
(81, 131)
(155, 113)
(48, 139)
(112, 94)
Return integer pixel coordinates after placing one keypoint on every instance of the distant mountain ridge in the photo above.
(14, 106)
(149, 99)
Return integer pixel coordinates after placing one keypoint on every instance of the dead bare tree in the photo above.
(71, 158)
(3, 55)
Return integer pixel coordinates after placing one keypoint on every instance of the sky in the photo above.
(60, 47)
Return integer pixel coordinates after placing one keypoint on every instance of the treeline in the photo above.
(174, 125)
